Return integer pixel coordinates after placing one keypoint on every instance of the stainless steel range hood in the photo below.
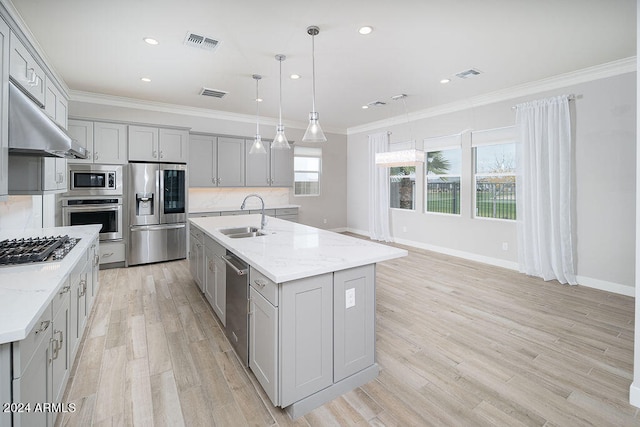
(32, 132)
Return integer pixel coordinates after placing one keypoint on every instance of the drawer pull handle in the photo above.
(260, 282)
(44, 325)
(107, 255)
(65, 289)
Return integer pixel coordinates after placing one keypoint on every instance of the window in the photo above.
(443, 181)
(307, 165)
(402, 187)
(495, 177)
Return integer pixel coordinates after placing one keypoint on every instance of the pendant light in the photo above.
(280, 141)
(258, 146)
(314, 131)
(410, 157)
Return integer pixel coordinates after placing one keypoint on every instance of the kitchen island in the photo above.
(311, 319)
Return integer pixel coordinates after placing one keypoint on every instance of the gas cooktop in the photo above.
(35, 249)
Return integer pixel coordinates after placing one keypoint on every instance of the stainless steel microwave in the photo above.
(95, 180)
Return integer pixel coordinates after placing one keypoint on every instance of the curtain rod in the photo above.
(570, 97)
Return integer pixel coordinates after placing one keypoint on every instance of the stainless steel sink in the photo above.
(242, 232)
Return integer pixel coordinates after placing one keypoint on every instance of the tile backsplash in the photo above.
(203, 199)
(21, 212)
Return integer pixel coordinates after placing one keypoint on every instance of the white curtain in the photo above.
(544, 200)
(378, 189)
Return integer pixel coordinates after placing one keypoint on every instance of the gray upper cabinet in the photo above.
(216, 161)
(55, 104)
(274, 168)
(105, 142)
(151, 144)
(231, 165)
(203, 167)
(4, 103)
(109, 143)
(26, 71)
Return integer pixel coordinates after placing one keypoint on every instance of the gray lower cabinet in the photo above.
(215, 277)
(263, 343)
(312, 335)
(196, 257)
(4, 110)
(35, 370)
(354, 317)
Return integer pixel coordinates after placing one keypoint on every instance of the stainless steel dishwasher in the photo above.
(237, 300)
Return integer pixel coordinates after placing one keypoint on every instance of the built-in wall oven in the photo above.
(106, 211)
(95, 196)
(95, 180)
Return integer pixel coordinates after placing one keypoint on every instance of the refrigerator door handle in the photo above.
(157, 227)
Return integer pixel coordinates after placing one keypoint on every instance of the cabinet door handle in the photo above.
(32, 77)
(83, 288)
(260, 283)
(96, 259)
(44, 325)
(161, 154)
(249, 312)
(95, 155)
(154, 154)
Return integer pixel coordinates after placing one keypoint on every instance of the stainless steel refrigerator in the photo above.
(157, 212)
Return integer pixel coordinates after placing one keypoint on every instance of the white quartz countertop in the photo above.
(26, 290)
(293, 251)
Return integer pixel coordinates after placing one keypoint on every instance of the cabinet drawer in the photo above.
(214, 247)
(196, 234)
(203, 214)
(286, 211)
(111, 252)
(24, 350)
(270, 212)
(60, 298)
(265, 287)
(225, 213)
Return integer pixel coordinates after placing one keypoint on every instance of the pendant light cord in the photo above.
(313, 73)
(280, 96)
(257, 108)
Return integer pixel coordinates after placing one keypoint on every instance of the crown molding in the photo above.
(609, 69)
(140, 104)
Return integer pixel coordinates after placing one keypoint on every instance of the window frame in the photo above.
(307, 152)
(476, 175)
(428, 150)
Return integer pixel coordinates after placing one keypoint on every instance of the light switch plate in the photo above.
(350, 297)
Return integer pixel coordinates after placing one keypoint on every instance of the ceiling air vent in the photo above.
(376, 104)
(472, 72)
(202, 42)
(214, 93)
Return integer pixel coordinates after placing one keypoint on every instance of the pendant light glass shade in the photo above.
(280, 141)
(257, 147)
(314, 131)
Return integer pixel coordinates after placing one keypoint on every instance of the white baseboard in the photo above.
(589, 282)
(604, 285)
(634, 395)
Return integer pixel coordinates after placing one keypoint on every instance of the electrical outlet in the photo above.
(324, 220)
(505, 246)
(350, 297)
(404, 229)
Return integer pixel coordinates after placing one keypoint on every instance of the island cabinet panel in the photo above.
(197, 257)
(215, 277)
(354, 320)
(263, 343)
(306, 318)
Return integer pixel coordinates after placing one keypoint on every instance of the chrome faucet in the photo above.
(263, 221)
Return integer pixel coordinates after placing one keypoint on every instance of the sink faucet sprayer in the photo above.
(263, 221)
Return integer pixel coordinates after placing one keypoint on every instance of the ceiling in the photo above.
(97, 46)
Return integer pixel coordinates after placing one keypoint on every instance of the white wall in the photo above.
(605, 135)
(329, 206)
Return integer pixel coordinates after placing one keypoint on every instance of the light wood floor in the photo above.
(459, 344)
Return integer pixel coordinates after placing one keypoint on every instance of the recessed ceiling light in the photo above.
(444, 81)
(364, 107)
(150, 40)
(258, 99)
(294, 76)
(365, 30)
(145, 79)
